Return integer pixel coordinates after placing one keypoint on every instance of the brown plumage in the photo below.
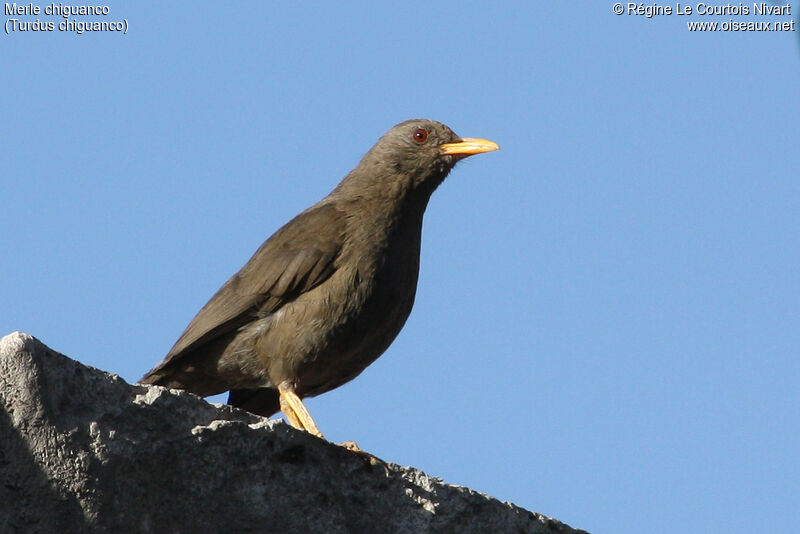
(326, 294)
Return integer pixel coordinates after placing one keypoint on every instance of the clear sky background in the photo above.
(607, 323)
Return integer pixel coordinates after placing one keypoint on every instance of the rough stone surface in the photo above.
(83, 451)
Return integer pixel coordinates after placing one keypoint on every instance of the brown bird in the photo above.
(326, 294)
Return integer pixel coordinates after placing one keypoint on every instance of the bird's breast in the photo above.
(367, 301)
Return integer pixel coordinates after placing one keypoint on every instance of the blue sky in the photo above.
(607, 323)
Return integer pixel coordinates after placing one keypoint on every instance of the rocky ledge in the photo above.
(83, 451)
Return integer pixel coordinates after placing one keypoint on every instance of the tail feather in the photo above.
(183, 377)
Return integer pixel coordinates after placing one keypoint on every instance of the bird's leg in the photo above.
(289, 413)
(296, 412)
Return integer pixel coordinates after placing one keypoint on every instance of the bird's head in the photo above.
(415, 155)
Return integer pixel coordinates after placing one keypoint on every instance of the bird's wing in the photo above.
(297, 258)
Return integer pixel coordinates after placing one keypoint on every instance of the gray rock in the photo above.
(83, 451)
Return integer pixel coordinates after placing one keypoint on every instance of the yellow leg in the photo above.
(289, 413)
(296, 412)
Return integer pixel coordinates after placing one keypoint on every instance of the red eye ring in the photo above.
(420, 136)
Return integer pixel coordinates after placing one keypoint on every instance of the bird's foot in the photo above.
(373, 460)
(351, 446)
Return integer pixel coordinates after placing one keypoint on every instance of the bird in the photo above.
(327, 293)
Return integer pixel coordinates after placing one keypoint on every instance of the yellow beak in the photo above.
(469, 146)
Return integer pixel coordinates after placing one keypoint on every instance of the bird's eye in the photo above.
(420, 136)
